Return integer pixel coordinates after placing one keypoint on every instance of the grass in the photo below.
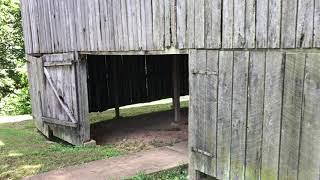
(130, 112)
(24, 151)
(173, 174)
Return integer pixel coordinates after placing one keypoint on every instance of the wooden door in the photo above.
(62, 97)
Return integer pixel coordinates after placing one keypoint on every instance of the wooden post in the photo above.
(176, 89)
(115, 87)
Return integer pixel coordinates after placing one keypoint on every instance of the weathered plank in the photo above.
(239, 24)
(262, 24)
(304, 36)
(115, 24)
(212, 24)
(309, 161)
(124, 24)
(149, 27)
(181, 23)
(274, 23)
(26, 26)
(291, 117)
(224, 114)
(173, 22)
(191, 23)
(167, 23)
(288, 23)
(316, 40)
(272, 114)
(199, 24)
(255, 114)
(34, 20)
(227, 24)
(239, 114)
(250, 26)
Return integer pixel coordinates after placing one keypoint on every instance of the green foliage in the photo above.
(174, 174)
(13, 81)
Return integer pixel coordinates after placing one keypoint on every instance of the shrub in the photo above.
(16, 103)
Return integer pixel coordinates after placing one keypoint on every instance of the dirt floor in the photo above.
(141, 132)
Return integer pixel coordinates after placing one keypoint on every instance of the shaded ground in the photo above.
(141, 132)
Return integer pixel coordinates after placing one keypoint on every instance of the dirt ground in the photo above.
(141, 132)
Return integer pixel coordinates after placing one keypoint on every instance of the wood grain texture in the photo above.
(262, 24)
(224, 114)
(304, 36)
(212, 24)
(309, 161)
(239, 114)
(181, 23)
(288, 23)
(316, 40)
(291, 117)
(255, 114)
(250, 26)
(199, 24)
(227, 23)
(272, 114)
(274, 23)
(239, 21)
(191, 23)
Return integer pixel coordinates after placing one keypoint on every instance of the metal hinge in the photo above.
(204, 72)
(193, 149)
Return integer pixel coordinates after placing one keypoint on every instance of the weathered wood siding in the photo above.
(52, 26)
(260, 117)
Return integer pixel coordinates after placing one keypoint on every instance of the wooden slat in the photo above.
(59, 122)
(255, 114)
(316, 40)
(181, 23)
(143, 25)
(250, 26)
(149, 32)
(291, 118)
(224, 114)
(272, 115)
(212, 24)
(288, 25)
(156, 23)
(274, 23)
(309, 161)
(199, 24)
(116, 30)
(33, 14)
(138, 22)
(239, 114)
(305, 24)
(262, 24)
(167, 21)
(239, 24)
(26, 26)
(110, 21)
(227, 24)
(124, 24)
(191, 23)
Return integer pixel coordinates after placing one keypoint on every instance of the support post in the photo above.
(115, 87)
(176, 89)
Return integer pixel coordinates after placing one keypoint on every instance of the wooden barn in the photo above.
(251, 67)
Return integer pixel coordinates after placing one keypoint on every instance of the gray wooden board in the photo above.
(199, 24)
(274, 23)
(227, 23)
(224, 114)
(167, 23)
(239, 23)
(191, 23)
(212, 24)
(272, 114)
(250, 23)
(181, 23)
(255, 114)
(262, 24)
(149, 27)
(316, 40)
(26, 26)
(309, 161)
(291, 117)
(239, 114)
(305, 24)
(288, 23)
(124, 24)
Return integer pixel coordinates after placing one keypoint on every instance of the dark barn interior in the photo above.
(119, 80)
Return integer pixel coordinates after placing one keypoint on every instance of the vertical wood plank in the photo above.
(33, 13)
(288, 25)
(305, 24)
(26, 26)
(250, 26)
(291, 118)
(143, 25)
(239, 24)
(272, 115)
(199, 24)
(274, 23)
(255, 114)
(156, 23)
(309, 161)
(212, 24)
(167, 25)
(181, 23)
(224, 114)
(239, 114)
(124, 23)
(316, 40)
(191, 23)
(138, 21)
(149, 27)
(262, 24)
(115, 24)
(227, 24)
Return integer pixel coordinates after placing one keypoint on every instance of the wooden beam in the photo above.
(176, 89)
(59, 122)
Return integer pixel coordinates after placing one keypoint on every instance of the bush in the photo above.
(16, 103)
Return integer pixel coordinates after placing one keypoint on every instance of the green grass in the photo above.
(110, 114)
(24, 151)
(173, 174)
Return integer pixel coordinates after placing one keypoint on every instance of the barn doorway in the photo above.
(134, 100)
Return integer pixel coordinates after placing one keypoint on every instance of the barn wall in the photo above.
(254, 114)
(52, 26)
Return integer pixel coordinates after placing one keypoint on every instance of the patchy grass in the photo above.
(110, 114)
(24, 152)
(173, 174)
